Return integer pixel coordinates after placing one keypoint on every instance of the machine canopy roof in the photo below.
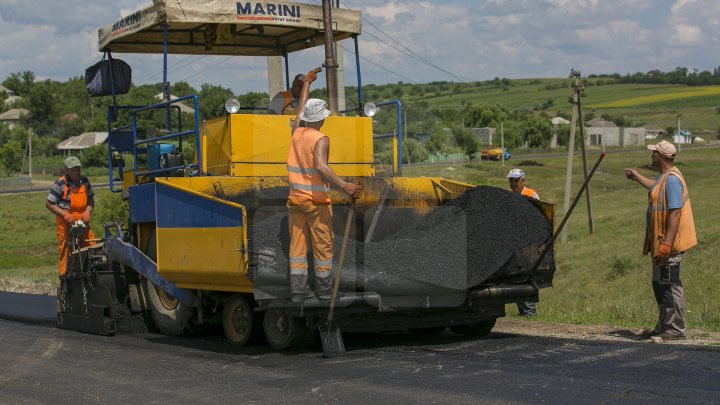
(225, 27)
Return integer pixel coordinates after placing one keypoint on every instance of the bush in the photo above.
(109, 207)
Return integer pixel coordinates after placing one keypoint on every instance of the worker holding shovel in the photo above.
(309, 208)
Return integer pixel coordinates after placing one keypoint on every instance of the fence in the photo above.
(15, 182)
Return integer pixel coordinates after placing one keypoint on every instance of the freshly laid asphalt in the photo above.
(42, 364)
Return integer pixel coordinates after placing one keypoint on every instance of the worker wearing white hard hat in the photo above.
(309, 208)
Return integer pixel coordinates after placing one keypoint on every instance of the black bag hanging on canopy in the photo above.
(108, 77)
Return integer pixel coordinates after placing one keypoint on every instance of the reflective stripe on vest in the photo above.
(303, 179)
(686, 236)
(303, 170)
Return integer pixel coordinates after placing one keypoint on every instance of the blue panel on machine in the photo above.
(178, 209)
(142, 203)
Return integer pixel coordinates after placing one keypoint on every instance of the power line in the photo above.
(378, 65)
(177, 66)
(412, 53)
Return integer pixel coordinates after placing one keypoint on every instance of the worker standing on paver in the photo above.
(287, 101)
(516, 177)
(309, 209)
(670, 231)
(71, 199)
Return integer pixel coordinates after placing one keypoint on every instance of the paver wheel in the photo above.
(241, 323)
(286, 332)
(169, 315)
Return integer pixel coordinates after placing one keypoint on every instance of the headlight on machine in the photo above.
(369, 109)
(232, 105)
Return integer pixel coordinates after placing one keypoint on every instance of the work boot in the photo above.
(324, 284)
(669, 336)
(647, 334)
(298, 284)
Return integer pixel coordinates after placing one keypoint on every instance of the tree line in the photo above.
(680, 75)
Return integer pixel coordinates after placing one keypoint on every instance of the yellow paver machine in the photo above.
(206, 239)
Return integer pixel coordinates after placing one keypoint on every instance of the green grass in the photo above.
(603, 277)
(29, 249)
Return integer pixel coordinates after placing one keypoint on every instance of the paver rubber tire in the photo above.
(475, 330)
(241, 323)
(286, 332)
(169, 316)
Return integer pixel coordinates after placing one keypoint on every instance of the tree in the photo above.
(20, 82)
(437, 142)
(95, 156)
(43, 107)
(11, 155)
(472, 146)
(413, 151)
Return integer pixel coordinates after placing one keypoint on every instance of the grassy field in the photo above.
(601, 278)
(656, 104)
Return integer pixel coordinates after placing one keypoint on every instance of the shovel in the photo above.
(330, 335)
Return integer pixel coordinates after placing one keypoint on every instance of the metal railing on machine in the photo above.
(125, 139)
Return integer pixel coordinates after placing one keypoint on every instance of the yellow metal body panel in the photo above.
(258, 145)
(204, 258)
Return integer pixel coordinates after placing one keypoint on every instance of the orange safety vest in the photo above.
(685, 237)
(77, 195)
(288, 109)
(304, 180)
(528, 192)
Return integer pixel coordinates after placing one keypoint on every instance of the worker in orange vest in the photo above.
(286, 102)
(516, 177)
(670, 231)
(517, 184)
(71, 199)
(309, 208)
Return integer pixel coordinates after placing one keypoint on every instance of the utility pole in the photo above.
(576, 118)
(330, 64)
(578, 89)
(30, 155)
(568, 172)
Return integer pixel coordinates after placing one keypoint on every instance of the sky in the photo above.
(403, 40)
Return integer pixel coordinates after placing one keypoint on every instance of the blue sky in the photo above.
(459, 39)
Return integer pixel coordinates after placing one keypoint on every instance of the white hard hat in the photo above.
(315, 110)
(516, 174)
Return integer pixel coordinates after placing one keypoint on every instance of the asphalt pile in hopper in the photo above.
(456, 246)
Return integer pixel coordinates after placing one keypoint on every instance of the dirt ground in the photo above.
(504, 325)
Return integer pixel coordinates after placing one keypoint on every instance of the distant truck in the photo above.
(492, 152)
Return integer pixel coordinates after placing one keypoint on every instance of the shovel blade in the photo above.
(332, 341)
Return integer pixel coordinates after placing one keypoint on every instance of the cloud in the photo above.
(473, 39)
(687, 35)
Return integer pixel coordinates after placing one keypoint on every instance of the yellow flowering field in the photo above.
(700, 91)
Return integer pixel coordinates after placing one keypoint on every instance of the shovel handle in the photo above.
(336, 285)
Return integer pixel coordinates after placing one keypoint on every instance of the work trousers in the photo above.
(669, 296)
(310, 222)
(62, 231)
